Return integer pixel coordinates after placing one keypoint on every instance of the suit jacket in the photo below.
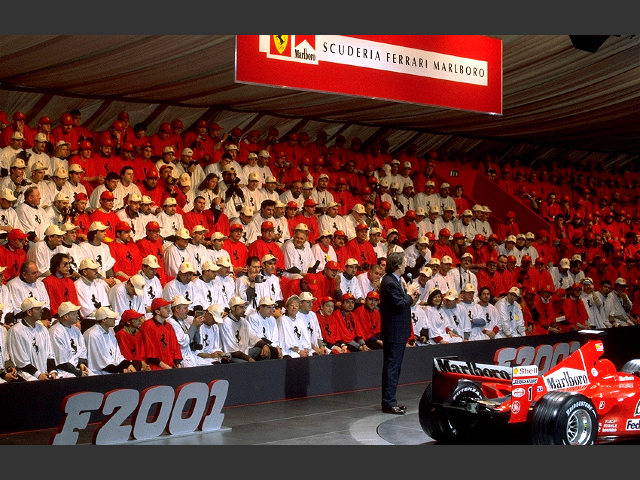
(395, 311)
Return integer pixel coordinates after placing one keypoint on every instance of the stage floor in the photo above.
(352, 418)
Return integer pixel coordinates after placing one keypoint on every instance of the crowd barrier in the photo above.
(36, 405)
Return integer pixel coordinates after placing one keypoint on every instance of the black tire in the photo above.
(448, 426)
(564, 418)
(632, 367)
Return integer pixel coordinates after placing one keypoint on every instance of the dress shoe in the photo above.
(397, 410)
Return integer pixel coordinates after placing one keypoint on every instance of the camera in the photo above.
(260, 278)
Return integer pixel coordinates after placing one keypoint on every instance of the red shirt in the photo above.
(363, 252)
(238, 253)
(159, 343)
(110, 219)
(367, 322)
(130, 344)
(147, 247)
(127, 256)
(260, 248)
(12, 259)
(60, 290)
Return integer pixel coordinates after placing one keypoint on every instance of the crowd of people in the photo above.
(124, 251)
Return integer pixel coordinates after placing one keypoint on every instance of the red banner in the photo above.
(453, 71)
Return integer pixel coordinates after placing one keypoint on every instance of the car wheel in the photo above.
(632, 366)
(564, 418)
(449, 426)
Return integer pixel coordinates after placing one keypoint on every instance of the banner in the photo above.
(453, 71)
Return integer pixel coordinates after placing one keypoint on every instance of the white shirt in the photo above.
(102, 349)
(30, 346)
(91, 296)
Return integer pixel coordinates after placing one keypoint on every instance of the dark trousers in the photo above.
(393, 354)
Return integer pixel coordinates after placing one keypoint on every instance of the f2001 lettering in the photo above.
(203, 413)
(544, 356)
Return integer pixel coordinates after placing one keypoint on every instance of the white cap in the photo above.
(268, 258)
(66, 307)
(69, 227)
(29, 303)
(565, 263)
(97, 226)
(306, 296)
(434, 209)
(209, 265)
(264, 153)
(18, 163)
(7, 194)
(620, 281)
(302, 227)
(61, 197)
(138, 284)
(351, 261)
(183, 233)
(224, 261)
(187, 151)
(426, 271)
(146, 200)
(151, 261)
(168, 149)
(254, 177)
(469, 288)
(105, 312)
(135, 197)
(38, 166)
(88, 263)
(186, 267)
(268, 301)
(467, 255)
(447, 259)
(53, 230)
(218, 236)
(61, 172)
(511, 238)
(216, 312)
(451, 295)
(236, 300)
(180, 300)
(169, 201)
(358, 208)
(247, 210)
(198, 229)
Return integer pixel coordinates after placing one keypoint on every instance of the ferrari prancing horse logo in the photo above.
(281, 42)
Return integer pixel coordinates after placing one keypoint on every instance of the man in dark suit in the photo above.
(395, 328)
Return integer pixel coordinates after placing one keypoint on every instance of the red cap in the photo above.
(292, 204)
(201, 124)
(123, 115)
(307, 161)
(326, 299)
(371, 180)
(165, 127)
(577, 285)
(303, 136)
(159, 302)
(367, 191)
(66, 119)
(236, 131)
(16, 233)
(430, 235)
(128, 315)
(310, 202)
(411, 214)
(373, 294)
(444, 232)
(348, 296)
(80, 196)
(153, 225)
(177, 123)
(85, 145)
(526, 258)
(479, 237)
(268, 225)
(19, 116)
(339, 233)
(511, 258)
(385, 205)
(152, 173)
(341, 180)
(123, 227)
(457, 235)
(362, 226)
(511, 214)
(235, 226)
(107, 195)
(44, 119)
(214, 126)
(493, 259)
(494, 236)
(332, 264)
(547, 288)
(273, 132)
(117, 125)
(293, 136)
(128, 147)
(107, 142)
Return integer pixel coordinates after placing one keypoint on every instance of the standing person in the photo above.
(395, 322)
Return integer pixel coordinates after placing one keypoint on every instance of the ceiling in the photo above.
(558, 101)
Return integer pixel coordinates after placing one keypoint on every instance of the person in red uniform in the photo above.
(443, 247)
(238, 251)
(264, 244)
(80, 217)
(150, 186)
(344, 323)
(407, 228)
(59, 284)
(201, 142)
(577, 317)
(130, 339)
(13, 254)
(490, 277)
(105, 213)
(340, 247)
(151, 244)
(163, 138)
(197, 215)
(368, 321)
(66, 132)
(361, 249)
(160, 347)
(326, 320)
(309, 218)
(125, 252)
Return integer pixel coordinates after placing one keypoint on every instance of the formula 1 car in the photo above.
(583, 400)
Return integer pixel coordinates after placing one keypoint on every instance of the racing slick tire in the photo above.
(632, 367)
(446, 426)
(564, 418)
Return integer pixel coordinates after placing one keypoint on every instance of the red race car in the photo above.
(583, 400)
